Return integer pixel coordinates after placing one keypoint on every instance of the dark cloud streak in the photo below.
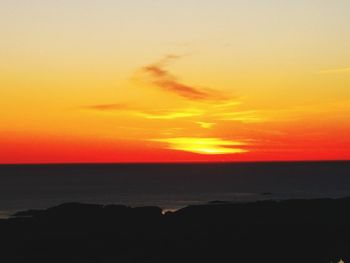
(164, 80)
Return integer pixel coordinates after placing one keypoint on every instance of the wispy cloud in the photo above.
(206, 125)
(204, 145)
(250, 116)
(228, 103)
(160, 114)
(335, 70)
(105, 107)
(170, 114)
(163, 79)
(205, 107)
(206, 115)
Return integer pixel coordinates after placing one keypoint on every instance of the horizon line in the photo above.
(175, 163)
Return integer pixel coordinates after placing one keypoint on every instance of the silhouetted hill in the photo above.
(266, 231)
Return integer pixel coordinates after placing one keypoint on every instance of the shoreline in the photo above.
(11, 214)
(260, 197)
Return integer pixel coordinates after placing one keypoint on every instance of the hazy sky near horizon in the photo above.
(164, 80)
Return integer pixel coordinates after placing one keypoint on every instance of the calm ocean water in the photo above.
(170, 186)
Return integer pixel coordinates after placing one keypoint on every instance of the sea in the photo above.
(169, 186)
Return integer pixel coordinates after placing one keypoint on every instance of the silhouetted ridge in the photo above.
(266, 231)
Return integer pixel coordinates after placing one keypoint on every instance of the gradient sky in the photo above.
(165, 80)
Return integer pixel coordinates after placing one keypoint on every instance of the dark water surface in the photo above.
(170, 186)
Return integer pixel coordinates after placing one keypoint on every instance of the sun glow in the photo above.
(204, 145)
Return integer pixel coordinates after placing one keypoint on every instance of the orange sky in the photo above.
(174, 81)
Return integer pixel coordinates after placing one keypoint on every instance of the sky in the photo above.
(174, 81)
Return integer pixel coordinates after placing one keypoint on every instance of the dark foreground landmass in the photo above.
(268, 231)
